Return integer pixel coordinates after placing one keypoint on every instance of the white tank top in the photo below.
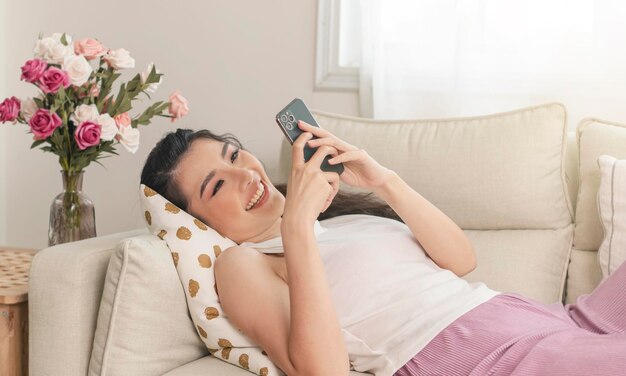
(391, 298)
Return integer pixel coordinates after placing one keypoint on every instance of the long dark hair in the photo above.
(353, 203)
(158, 174)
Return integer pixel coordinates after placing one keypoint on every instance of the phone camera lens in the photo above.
(291, 118)
(283, 118)
(289, 126)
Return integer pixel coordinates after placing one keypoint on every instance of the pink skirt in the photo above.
(514, 335)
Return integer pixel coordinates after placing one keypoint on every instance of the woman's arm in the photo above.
(315, 341)
(440, 237)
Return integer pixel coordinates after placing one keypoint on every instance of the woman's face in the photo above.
(228, 189)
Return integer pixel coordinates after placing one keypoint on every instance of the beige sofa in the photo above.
(510, 180)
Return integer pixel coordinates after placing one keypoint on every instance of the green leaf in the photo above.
(37, 143)
(64, 39)
(153, 76)
(96, 161)
(61, 93)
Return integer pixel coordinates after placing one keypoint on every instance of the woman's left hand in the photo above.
(360, 169)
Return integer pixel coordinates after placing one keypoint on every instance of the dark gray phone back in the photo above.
(287, 120)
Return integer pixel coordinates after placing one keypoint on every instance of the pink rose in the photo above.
(43, 123)
(33, 70)
(53, 79)
(9, 109)
(89, 48)
(87, 134)
(179, 106)
(122, 120)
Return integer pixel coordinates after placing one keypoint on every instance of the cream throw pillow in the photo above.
(135, 335)
(612, 210)
(595, 137)
(194, 248)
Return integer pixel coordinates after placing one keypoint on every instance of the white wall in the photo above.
(238, 63)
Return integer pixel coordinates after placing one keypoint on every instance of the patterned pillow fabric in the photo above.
(612, 211)
(194, 247)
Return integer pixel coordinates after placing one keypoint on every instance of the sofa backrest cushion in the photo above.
(500, 177)
(143, 326)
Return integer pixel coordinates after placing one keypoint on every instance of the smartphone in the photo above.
(287, 120)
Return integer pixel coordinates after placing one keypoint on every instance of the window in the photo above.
(338, 45)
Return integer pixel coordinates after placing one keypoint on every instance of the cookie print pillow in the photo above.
(194, 248)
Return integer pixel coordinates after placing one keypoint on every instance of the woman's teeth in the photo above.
(259, 193)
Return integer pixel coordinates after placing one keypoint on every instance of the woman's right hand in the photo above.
(309, 189)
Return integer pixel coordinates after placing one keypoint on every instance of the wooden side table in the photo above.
(14, 268)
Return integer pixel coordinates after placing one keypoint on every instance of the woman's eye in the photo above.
(234, 156)
(218, 185)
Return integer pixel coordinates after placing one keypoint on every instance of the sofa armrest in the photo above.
(65, 288)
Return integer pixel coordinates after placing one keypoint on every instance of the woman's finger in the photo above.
(321, 153)
(333, 180)
(297, 149)
(347, 156)
(317, 131)
(335, 142)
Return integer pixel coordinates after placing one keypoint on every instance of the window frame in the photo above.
(329, 75)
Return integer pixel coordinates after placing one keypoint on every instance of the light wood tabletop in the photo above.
(14, 268)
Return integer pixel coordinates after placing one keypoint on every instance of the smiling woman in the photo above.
(361, 292)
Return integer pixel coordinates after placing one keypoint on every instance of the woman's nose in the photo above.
(244, 177)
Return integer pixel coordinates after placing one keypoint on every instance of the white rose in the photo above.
(85, 112)
(109, 129)
(144, 76)
(42, 46)
(77, 68)
(129, 138)
(119, 59)
(28, 108)
(52, 50)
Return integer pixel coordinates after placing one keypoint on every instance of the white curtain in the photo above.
(442, 58)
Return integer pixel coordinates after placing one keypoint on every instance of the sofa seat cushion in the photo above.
(530, 262)
(583, 274)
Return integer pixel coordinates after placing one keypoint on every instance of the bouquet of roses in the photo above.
(76, 116)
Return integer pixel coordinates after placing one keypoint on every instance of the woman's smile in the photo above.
(259, 197)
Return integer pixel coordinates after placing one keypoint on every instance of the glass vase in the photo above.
(72, 215)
